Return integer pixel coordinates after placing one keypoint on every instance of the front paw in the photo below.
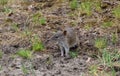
(67, 56)
(62, 55)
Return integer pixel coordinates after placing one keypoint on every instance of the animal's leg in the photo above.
(67, 51)
(62, 51)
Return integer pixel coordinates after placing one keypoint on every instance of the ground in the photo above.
(96, 23)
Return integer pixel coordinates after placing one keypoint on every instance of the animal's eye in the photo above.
(56, 37)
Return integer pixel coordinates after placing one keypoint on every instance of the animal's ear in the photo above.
(64, 32)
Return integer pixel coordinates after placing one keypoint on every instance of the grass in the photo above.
(37, 45)
(3, 2)
(106, 58)
(24, 69)
(13, 56)
(36, 15)
(25, 53)
(114, 38)
(38, 18)
(97, 5)
(93, 70)
(115, 55)
(116, 12)
(0, 67)
(74, 4)
(1, 54)
(42, 21)
(27, 33)
(86, 7)
(87, 27)
(73, 23)
(73, 54)
(7, 10)
(28, 69)
(49, 60)
(107, 24)
(100, 43)
(15, 26)
(113, 72)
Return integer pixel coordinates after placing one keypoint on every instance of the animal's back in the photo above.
(71, 37)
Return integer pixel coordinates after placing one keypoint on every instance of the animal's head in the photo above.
(58, 36)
